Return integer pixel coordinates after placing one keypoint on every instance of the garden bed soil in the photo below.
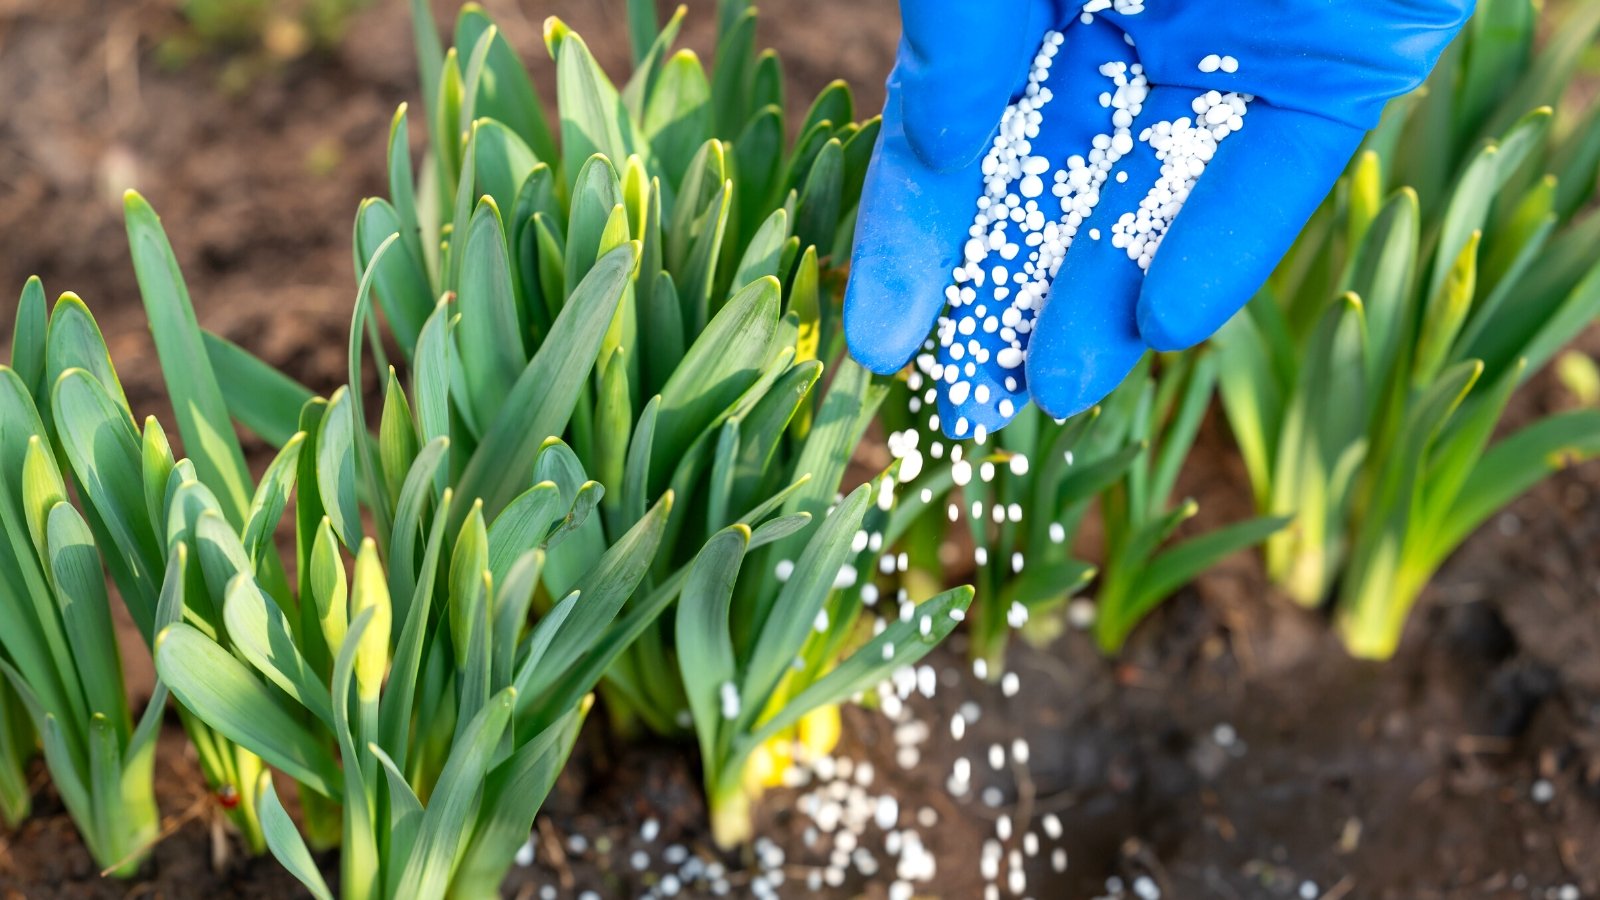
(1233, 751)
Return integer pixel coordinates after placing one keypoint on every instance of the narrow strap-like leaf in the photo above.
(168, 611)
(74, 342)
(724, 361)
(901, 643)
(524, 525)
(336, 467)
(512, 795)
(604, 591)
(428, 869)
(284, 840)
(398, 700)
(86, 617)
(593, 118)
(260, 632)
(215, 686)
(704, 635)
(781, 633)
(405, 811)
(489, 323)
(1178, 565)
(259, 396)
(272, 497)
(197, 398)
(541, 402)
(506, 93)
(28, 337)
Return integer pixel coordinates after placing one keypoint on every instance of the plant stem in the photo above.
(730, 817)
(16, 739)
(1374, 610)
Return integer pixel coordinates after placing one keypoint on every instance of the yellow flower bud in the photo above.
(371, 591)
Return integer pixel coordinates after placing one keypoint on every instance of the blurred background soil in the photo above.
(1468, 768)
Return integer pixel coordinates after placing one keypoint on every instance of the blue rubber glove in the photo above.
(1316, 75)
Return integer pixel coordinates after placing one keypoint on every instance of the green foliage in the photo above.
(65, 431)
(645, 308)
(1365, 383)
(746, 687)
(405, 681)
(1143, 566)
(17, 740)
(653, 292)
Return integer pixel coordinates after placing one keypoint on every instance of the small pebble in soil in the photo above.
(1309, 890)
(1224, 735)
(1542, 792)
(1145, 887)
(1081, 614)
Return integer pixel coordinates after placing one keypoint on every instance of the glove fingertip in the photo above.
(1063, 394)
(881, 338)
(1167, 327)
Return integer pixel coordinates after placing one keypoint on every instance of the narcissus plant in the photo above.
(1366, 383)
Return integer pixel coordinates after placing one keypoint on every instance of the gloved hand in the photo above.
(1295, 85)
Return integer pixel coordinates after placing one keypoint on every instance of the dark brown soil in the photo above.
(1411, 780)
